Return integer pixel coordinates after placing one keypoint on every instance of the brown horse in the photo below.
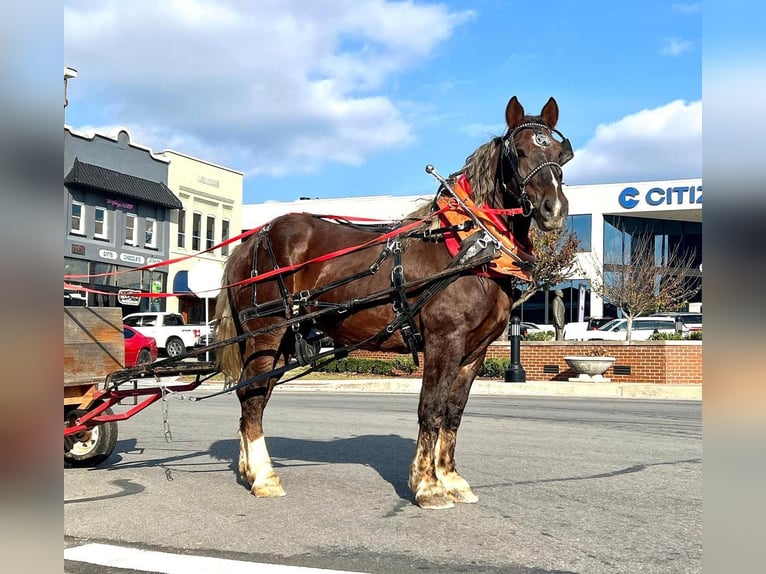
(453, 326)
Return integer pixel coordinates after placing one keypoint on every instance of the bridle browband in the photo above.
(508, 151)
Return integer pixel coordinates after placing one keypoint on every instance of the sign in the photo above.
(107, 254)
(631, 197)
(205, 279)
(127, 297)
(581, 304)
(78, 249)
(130, 258)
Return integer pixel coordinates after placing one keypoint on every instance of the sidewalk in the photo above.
(483, 387)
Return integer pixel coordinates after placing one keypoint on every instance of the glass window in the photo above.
(100, 229)
(181, 228)
(196, 231)
(76, 218)
(130, 229)
(210, 232)
(224, 236)
(150, 233)
(581, 226)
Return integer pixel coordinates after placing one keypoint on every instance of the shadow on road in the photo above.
(389, 455)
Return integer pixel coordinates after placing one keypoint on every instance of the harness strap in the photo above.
(465, 261)
(402, 312)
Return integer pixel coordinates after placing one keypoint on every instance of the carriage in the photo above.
(438, 283)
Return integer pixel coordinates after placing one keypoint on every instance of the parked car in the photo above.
(170, 330)
(572, 330)
(617, 329)
(692, 321)
(139, 349)
(527, 328)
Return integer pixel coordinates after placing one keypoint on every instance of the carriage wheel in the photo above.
(174, 347)
(90, 447)
(144, 357)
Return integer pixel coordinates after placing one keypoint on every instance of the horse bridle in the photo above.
(508, 151)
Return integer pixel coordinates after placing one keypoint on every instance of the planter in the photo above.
(590, 369)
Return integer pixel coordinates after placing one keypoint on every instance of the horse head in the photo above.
(529, 172)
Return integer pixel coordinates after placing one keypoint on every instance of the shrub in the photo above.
(494, 368)
(540, 336)
(666, 337)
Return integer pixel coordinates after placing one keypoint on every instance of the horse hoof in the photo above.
(463, 496)
(434, 500)
(268, 491)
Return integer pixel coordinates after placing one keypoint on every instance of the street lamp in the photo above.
(515, 372)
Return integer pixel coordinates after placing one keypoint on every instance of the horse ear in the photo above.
(514, 113)
(550, 113)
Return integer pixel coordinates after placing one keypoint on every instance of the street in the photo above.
(564, 484)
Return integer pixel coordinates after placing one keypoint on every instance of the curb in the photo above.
(689, 392)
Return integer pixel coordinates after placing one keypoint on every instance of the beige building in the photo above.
(212, 213)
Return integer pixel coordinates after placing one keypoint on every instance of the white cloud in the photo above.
(675, 47)
(270, 87)
(662, 143)
(686, 8)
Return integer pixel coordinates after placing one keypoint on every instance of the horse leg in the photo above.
(456, 486)
(428, 489)
(255, 466)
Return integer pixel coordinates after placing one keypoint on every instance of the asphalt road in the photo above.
(564, 484)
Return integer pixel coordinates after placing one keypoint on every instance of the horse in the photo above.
(518, 177)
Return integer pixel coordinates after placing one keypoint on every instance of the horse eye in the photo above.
(520, 153)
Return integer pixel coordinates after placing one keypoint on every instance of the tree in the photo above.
(556, 253)
(647, 281)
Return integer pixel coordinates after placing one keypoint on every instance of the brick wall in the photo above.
(662, 362)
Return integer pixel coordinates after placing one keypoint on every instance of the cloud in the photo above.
(686, 8)
(675, 47)
(272, 87)
(662, 143)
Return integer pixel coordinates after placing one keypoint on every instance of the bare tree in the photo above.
(647, 281)
(556, 253)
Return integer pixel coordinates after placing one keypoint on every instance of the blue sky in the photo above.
(354, 97)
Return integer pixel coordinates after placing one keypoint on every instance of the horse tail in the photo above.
(229, 358)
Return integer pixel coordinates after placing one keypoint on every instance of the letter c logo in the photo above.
(627, 197)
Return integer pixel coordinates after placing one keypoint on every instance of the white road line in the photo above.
(167, 563)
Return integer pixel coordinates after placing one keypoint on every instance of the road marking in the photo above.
(167, 563)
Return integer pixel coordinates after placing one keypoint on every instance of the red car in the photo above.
(139, 349)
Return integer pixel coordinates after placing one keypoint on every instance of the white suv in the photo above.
(617, 329)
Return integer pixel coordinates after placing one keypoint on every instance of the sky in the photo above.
(345, 98)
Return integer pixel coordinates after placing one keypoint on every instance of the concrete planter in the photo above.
(590, 369)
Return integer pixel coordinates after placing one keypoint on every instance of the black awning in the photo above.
(103, 179)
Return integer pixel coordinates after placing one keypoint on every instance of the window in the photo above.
(150, 233)
(76, 218)
(100, 229)
(210, 235)
(130, 229)
(580, 225)
(224, 236)
(196, 230)
(181, 228)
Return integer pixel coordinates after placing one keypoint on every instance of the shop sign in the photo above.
(107, 254)
(683, 195)
(130, 258)
(78, 249)
(128, 297)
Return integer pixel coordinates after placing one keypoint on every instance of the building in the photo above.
(118, 209)
(605, 217)
(211, 213)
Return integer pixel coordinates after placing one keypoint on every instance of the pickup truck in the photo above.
(171, 332)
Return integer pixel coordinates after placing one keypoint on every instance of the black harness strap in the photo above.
(474, 253)
(403, 315)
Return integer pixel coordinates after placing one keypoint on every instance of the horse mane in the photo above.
(479, 168)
